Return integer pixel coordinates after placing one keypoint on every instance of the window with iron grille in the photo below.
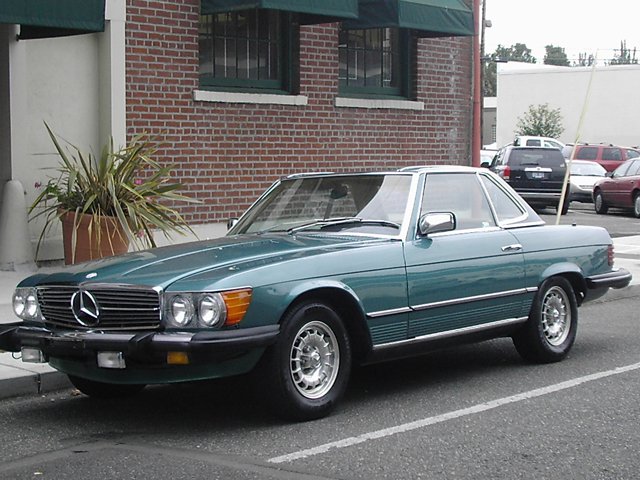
(374, 62)
(245, 50)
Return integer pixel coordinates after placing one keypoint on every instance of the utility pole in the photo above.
(477, 88)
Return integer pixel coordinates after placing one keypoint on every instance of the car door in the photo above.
(615, 191)
(470, 276)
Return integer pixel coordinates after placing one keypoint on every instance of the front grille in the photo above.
(120, 307)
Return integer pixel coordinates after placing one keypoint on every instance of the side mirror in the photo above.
(231, 223)
(436, 222)
(485, 164)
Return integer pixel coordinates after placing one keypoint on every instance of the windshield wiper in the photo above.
(342, 220)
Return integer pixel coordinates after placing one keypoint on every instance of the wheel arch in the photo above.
(572, 273)
(345, 302)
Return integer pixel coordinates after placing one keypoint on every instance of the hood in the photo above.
(165, 265)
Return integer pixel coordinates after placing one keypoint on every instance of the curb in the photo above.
(18, 378)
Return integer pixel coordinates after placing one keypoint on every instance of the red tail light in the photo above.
(611, 255)
(506, 172)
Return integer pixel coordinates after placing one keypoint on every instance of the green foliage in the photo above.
(515, 53)
(540, 121)
(555, 56)
(126, 184)
(625, 57)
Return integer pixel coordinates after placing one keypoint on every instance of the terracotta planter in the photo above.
(112, 240)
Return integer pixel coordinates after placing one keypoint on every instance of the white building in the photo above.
(607, 98)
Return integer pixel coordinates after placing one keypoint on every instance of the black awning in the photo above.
(428, 18)
(311, 11)
(53, 18)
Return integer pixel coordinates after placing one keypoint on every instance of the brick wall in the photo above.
(227, 154)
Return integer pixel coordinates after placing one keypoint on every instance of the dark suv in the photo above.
(535, 173)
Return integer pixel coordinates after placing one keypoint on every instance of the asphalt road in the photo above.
(619, 223)
(475, 412)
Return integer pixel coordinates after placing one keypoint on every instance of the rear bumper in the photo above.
(619, 278)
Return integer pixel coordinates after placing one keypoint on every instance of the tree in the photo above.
(625, 57)
(555, 56)
(515, 53)
(540, 121)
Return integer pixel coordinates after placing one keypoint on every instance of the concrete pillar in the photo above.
(16, 252)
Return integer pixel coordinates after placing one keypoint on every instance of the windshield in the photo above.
(360, 203)
(588, 169)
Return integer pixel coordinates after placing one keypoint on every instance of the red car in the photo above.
(620, 189)
(609, 156)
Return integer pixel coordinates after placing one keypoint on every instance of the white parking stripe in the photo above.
(386, 432)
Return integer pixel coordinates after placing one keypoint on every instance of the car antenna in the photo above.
(585, 104)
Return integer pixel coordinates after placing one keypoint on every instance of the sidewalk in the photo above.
(19, 378)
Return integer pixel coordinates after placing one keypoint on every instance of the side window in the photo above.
(461, 194)
(499, 158)
(621, 171)
(634, 169)
(587, 153)
(611, 154)
(533, 143)
(506, 209)
(245, 50)
(632, 153)
(374, 61)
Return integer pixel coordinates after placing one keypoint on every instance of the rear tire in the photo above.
(306, 372)
(95, 389)
(599, 203)
(551, 328)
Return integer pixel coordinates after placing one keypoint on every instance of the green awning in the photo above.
(53, 18)
(311, 11)
(429, 18)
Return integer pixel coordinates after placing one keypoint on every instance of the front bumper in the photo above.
(142, 348)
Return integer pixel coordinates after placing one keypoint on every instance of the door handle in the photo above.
(512, 248)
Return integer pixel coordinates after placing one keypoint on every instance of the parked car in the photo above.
(582, 177)
(609, 156)
(531, 141)
(486, 156)
(324, 271)
(536, 173)
(621, 189)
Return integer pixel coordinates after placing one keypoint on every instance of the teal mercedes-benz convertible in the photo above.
(323, 271)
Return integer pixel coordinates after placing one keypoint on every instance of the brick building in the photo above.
(240, 97)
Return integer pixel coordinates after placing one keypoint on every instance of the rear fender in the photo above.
(572, 273)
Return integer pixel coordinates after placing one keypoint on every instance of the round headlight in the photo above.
(181, 310)
(31, 305)
(19, 303)
(212, 310)
(25, 303)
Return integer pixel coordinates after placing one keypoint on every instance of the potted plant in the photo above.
(109, 202)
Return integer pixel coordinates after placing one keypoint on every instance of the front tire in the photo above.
(599, 203)
(636, 205)
(95, 389)
(551, 328)
(306, 372)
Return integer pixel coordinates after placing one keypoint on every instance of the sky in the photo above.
(587, 26)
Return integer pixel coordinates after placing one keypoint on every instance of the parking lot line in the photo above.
(482, 407)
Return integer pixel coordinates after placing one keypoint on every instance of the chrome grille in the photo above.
(121, 307)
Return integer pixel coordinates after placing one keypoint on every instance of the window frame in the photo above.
(405, 53)
(287, 59)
